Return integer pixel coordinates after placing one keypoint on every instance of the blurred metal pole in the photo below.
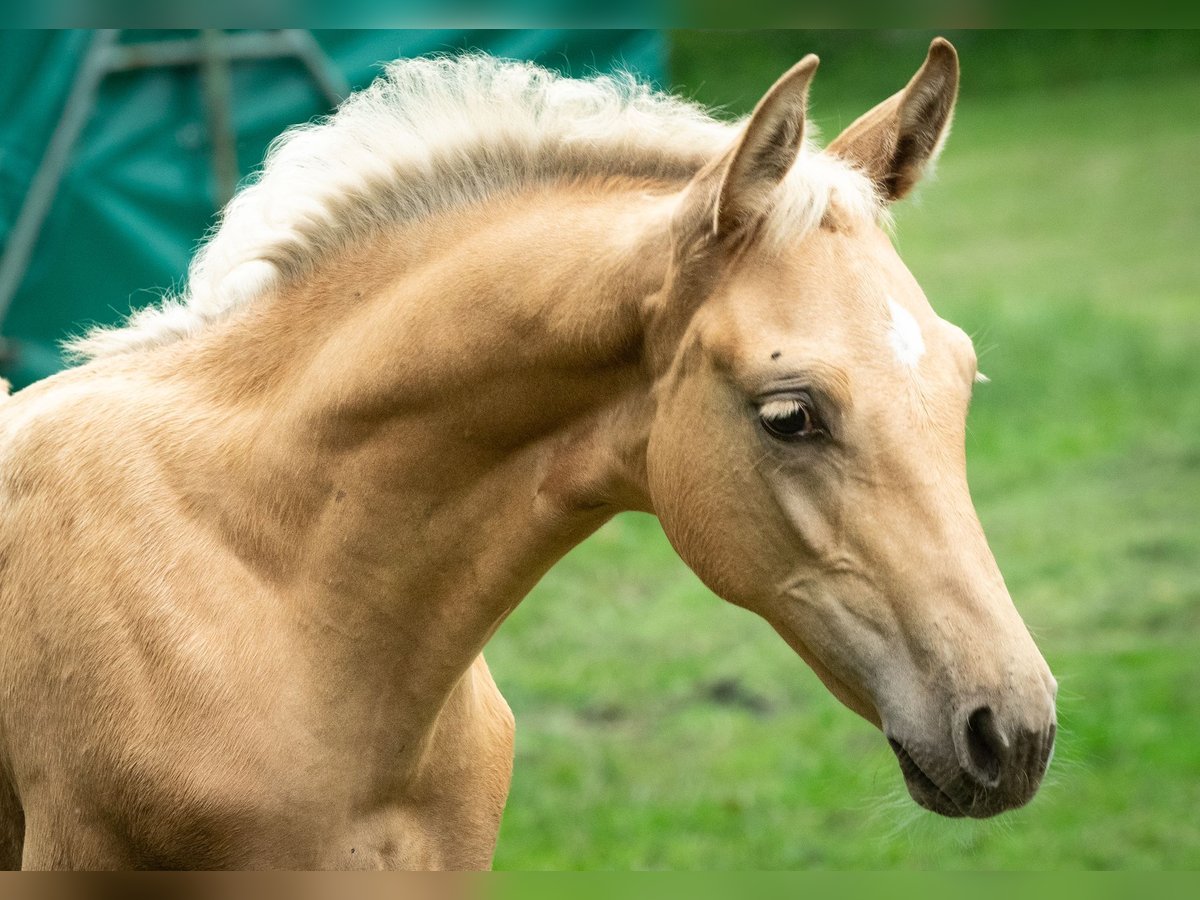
(214, 77)
(213, 51)
(44, 186)
(329, 79)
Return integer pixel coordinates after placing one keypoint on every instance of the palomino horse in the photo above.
(251, 552)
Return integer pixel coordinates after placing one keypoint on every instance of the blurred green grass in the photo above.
(660, 727)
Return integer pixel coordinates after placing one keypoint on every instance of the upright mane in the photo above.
(436, 133)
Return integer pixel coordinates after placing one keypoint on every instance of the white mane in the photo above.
(433, 134)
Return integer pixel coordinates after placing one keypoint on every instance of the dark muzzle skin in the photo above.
(961, 692)
(996, 766)
(966, 696)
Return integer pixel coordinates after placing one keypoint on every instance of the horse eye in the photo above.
(789, 419)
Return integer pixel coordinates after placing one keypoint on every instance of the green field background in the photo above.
(660, 727)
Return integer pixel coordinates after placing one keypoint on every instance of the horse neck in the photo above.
(436, 419)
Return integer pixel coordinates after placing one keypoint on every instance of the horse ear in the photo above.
(748, 174)
(895, 141)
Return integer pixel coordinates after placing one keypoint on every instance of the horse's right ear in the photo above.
(736, 190)
(895, 142)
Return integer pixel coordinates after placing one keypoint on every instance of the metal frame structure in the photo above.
(213, 51)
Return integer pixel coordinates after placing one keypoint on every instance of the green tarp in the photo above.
(138, 192)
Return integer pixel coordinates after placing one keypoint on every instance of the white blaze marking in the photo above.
(905, 335)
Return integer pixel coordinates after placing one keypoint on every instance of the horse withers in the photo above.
(252, 549)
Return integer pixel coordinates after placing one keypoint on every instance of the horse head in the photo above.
(807, 455)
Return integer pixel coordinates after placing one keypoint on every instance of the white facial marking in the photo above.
(905, 335)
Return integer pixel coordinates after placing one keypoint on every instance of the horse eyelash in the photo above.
(780, 408)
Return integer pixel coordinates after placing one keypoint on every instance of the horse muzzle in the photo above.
(984, 767)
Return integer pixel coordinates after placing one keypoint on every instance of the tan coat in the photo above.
(246, 575)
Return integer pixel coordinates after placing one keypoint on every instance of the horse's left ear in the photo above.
(737, 188)
(767, 149)
(894, 142)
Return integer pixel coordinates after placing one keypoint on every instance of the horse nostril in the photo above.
(987, 746)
